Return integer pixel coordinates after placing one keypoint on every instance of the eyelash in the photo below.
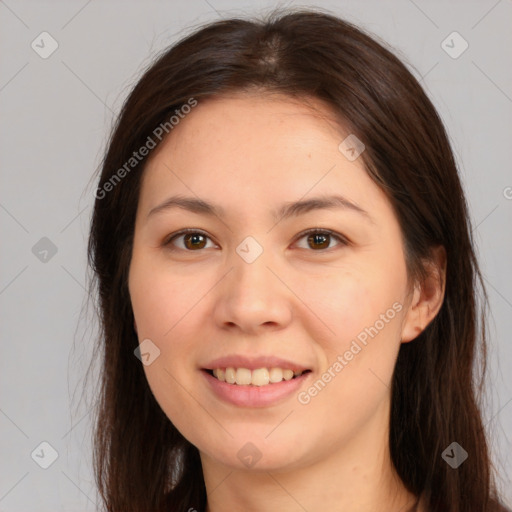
(341, 239)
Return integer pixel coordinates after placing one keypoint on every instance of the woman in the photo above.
(280, 237)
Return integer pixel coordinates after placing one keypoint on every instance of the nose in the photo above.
(253, 297)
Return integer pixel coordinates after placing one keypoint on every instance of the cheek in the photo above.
(163, 306)
(347, 301)
(359, 355)
(362, 313)
(160, 299)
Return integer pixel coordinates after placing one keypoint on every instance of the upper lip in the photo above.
(253, 363)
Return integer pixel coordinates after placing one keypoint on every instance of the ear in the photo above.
(427, 297)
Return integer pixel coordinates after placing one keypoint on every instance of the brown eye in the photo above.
(192, 240)
(319, 240)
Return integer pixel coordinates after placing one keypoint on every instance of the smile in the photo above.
(257, 377)
(249, 393)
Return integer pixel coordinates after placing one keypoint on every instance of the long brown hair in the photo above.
(141, 461)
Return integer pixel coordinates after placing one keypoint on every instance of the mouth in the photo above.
(258, 388)
(259, 377)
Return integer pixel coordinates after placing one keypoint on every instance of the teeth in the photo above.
(243, 376)
(220, 374)
(259, 377)
(230, 375)
(276, 375)
(287, 374)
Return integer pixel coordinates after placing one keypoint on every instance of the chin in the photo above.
(258, 455)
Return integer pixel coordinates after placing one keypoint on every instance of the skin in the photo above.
(251, 153)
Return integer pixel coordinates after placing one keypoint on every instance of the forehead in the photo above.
(251, 128)
(259, 116)
(254, 148)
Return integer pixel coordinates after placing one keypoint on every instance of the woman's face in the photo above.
(250, 290)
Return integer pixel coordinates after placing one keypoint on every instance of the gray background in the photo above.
(55, 116)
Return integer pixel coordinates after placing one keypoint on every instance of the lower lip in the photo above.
(255, 396)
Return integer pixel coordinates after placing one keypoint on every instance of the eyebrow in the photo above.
(287, 210)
